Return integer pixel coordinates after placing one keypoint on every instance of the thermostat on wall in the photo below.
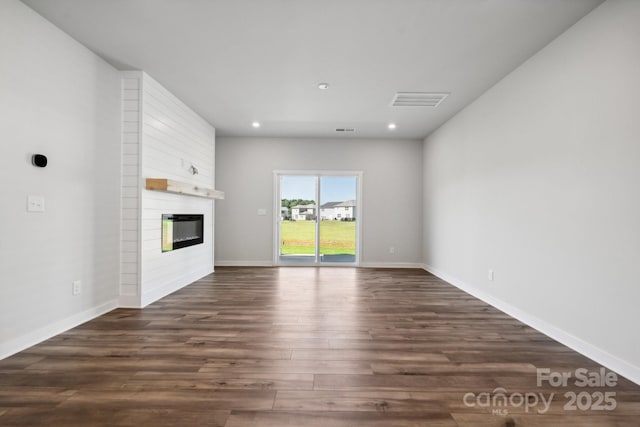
(39, 160)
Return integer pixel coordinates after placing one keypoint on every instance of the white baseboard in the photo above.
(391, 265)
(597, 354)
(129, 301)
(16, 345)
(244, 263)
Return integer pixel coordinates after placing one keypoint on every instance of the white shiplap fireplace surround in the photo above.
(162, 138)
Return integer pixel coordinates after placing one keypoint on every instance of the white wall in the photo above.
(130, 290)
(59, 99)
(539, 179)
(162, 138)
(392, 194)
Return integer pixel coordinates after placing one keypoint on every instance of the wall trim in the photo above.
(129, 301)
(30, 339)
(246, 263)
(243, 263)
(606, 359)
(391, 265)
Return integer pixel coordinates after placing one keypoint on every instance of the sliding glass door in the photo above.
(318, 219)
(298, 219)
(338, 215)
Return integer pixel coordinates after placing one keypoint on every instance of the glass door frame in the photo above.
(276, 215)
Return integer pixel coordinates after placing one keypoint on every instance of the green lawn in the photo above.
(336, 237)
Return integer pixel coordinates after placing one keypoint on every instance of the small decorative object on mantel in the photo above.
(177, 187)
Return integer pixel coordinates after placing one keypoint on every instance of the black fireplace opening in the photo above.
(181, 231)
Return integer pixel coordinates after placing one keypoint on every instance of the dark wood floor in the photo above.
(301, 347)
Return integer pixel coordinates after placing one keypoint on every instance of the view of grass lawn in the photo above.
(336, 237)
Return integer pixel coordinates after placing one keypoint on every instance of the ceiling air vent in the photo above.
(418, 99)
(345, 129)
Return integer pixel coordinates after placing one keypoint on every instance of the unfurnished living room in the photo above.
(297, 213)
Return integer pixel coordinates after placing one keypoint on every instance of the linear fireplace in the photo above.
(180, 231)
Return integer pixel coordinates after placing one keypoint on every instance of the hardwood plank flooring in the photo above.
(304, 347)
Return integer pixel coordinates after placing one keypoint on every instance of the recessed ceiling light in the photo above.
(391, 126)
(323, 86)
(255, 124)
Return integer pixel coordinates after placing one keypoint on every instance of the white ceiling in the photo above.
(238, 61)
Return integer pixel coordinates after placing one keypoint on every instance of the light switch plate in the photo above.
(35, 203)
(262, 212)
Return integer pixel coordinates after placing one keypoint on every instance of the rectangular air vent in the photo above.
(345, 129)
(418, 99)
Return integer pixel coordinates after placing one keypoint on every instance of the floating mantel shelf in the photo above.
(177, 187)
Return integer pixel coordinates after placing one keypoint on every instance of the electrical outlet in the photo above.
(35, 203)
(77, 287)
(392, 250)
(490, 274)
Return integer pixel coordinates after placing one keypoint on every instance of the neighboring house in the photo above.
(344, 211)
(303, 212)
(284, 213)
(328, 211)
